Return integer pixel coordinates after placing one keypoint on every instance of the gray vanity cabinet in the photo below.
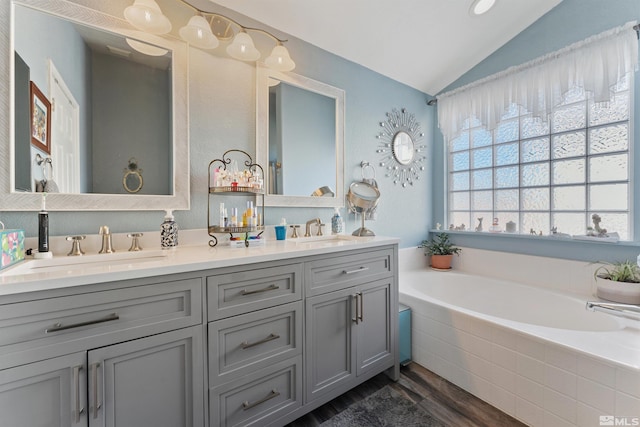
(255, 343)
(49, 393)
(127, 354)
(155, 381)
(263, 344)
(350, 321)
(348, 335)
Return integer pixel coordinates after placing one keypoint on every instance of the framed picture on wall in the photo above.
(40, 119)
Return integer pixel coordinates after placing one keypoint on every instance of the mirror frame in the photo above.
(262, 135)
(10, 200)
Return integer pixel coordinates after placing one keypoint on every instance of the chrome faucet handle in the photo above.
(294, 234)
(107, 248)
(135, 242)
(75, 245)
(320, 225)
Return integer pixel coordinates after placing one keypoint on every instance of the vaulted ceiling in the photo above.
(425, 44)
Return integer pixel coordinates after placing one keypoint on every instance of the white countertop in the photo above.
(179, 260)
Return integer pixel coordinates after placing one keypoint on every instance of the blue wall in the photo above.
(222, 109)
(569, 22)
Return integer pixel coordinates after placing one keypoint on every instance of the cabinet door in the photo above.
(45, 394)
(375, 347)
(155, 381)
(330, 355)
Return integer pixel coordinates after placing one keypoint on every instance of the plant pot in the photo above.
(622, 292)
(441, 262)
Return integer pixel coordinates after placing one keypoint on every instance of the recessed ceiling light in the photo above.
(478, 7)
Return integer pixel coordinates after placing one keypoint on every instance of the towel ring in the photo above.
(364, 165)
(42, 161)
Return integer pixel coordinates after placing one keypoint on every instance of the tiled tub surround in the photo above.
(532, 351)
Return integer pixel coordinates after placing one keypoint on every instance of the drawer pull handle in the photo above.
(245, 345)
(257, 291)
(354, 298)
(246, 405)
(94, 381)
(60, 327)
(360, 270)
(76, 383)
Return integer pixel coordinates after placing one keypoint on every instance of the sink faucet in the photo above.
(106, 240)
(307, 232)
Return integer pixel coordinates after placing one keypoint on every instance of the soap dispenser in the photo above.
(337, 224)
(168, 232)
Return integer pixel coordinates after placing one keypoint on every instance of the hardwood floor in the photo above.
(446, 402)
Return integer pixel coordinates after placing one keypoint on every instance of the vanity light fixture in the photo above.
(478, 7)
(205, 30)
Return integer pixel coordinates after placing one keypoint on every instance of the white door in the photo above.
(65, 134)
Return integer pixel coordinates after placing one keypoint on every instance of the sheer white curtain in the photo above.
(596, 64)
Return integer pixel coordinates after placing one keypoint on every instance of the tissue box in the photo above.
(12, 247)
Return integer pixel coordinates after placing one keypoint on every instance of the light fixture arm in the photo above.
(242, 27)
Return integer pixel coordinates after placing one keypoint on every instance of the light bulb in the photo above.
(198, 33)
(279, 59)
(242, 48)
(146, 15)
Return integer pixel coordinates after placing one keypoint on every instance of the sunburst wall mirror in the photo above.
(400, 147)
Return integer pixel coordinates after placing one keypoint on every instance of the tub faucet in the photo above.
(107, 248)
(307, 232)
(622, 310)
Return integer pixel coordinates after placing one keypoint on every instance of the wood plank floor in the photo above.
(446, 402)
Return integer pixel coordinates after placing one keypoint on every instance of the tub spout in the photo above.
(622, 310)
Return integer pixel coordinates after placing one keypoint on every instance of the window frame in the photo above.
(588, 184)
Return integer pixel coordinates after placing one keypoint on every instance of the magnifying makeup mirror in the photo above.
(361, 198)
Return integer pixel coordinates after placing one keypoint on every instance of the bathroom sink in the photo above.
(76, 263)
(325, 241)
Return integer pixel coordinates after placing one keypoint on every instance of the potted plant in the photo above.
(619, 282)
(441, 250)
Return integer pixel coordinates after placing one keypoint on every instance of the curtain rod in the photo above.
(534, 62)
(433, 101)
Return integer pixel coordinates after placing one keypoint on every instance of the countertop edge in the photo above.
(183, 259)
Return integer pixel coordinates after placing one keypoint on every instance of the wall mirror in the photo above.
(300, 139)
(86, 65)
(400, 147)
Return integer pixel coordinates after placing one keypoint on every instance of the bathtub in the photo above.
(535, 353)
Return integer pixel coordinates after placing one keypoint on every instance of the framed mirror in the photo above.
(300, 140)
(89, 170)
(400, 147)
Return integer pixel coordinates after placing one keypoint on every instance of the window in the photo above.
(546, 174)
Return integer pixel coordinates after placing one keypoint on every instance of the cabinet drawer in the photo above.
(162, 306)
(259, 398)
(337, 272)
(253, 341)
(244, 291)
